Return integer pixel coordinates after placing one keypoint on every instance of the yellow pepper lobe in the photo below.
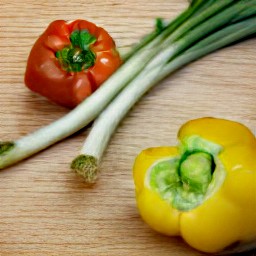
(203, 190)
(145, 159)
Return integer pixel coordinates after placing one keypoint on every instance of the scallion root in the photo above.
(87, 167)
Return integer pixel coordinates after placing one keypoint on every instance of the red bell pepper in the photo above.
(70, 60)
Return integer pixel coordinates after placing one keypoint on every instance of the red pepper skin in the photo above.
(45, 76)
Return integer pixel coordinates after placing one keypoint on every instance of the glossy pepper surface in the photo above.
(203, 190)
(70, 60)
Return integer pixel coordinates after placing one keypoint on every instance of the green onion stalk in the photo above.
(204, 27)
(215, 25)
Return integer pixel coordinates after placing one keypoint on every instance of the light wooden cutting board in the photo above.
(45, 209)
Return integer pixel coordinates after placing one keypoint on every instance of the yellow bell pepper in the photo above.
(203, 190)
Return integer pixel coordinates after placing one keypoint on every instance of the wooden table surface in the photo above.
(45, 209)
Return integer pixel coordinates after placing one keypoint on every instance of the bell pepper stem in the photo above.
(77, 56)
(196, 172)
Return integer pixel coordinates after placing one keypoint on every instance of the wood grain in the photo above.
(45, 208)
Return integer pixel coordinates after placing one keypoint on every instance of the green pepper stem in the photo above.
(78, 55)
(196, 172)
